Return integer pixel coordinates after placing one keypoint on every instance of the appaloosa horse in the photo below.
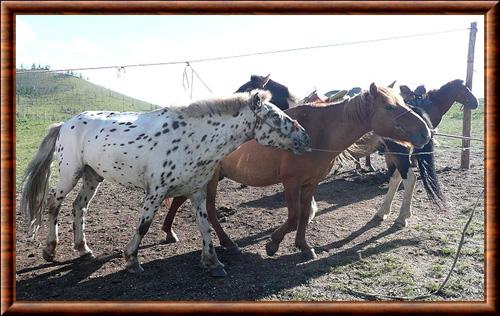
(167, 152)
(332, 129)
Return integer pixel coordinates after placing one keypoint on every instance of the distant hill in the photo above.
(57, 96)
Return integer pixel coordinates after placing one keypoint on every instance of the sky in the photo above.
(65, 41)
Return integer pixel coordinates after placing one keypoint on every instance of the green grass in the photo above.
(452, 123)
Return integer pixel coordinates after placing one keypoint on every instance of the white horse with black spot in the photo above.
(168, 152)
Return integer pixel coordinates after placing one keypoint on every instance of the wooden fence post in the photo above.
(466, 127)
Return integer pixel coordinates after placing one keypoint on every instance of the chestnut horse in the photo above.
(332, 129)
(436, 103)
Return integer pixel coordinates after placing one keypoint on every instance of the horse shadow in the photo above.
(250, 276)
(336, 191)
(333, 191)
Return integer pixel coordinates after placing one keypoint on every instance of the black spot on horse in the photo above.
(175, 125)
(112, 130)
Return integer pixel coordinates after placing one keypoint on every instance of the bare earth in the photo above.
(351, 250)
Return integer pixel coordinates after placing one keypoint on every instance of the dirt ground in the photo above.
(351, 249)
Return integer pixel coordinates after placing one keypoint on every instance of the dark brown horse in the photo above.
(281, 97)
(332, 129)
(436, 103)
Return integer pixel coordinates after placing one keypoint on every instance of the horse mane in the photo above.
(445, 89)
(358, 108)
(228, 105)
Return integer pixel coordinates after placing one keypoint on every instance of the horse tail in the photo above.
(425, 161)
(36, 179)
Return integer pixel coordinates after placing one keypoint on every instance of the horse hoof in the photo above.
(134, 269)
(271, 248)
(309, 254)
(234, 250)
(48, 256)
(218, 272)
(89, 256)
(401, 224)
(171, 239)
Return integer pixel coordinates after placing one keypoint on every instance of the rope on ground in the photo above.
(419, 297)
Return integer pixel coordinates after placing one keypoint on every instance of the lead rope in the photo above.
(419, 297)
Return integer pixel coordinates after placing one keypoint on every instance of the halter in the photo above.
(264, 121)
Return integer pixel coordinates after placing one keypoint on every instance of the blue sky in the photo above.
(88, 41)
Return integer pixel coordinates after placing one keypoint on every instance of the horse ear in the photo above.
(256, 100)
(373, 90)
(264, 81)
(405, 91)
(420, 90)
(392, 84)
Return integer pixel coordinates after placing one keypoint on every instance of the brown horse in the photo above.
(332, 129)
(436, 103)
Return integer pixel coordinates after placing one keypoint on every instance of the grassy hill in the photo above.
(46, 98)
(58, 96)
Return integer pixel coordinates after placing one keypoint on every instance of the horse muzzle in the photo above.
(301, 144)
(421, 138)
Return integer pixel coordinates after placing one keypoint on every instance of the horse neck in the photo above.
(237, 130)
(343, 123)
(441, 101)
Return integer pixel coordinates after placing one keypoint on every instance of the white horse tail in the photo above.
(36, 179)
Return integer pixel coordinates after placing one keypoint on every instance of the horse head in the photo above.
(394, 119)
(462, 94)
(274, 127)
(281, 97)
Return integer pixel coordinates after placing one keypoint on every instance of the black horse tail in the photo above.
(425, 161)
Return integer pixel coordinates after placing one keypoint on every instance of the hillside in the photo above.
(56, 96)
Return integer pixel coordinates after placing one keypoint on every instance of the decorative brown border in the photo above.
(9, 9)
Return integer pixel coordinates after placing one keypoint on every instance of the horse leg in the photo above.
(209, 258)
(368, 163)
(169, 219)
(314, 209)
(385, 209)
(409, 186)
(305, 209)
(55, 198)
(224, 239)
(292, 195)
(90, 182)
(150, 206)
